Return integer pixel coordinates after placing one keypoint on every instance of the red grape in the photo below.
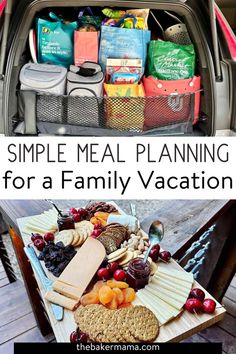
(193, 305)
(113, 266)
(119, 275)
(49, 236)
(165, 256)
(39, 244)
(74, 337)
(104, 273)
(36, 237)
(77, 217)
(197, 294)
(209, 306)
(73, 211)
(154, 254)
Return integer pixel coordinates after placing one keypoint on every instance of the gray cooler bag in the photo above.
(85, 84)
(46, 78)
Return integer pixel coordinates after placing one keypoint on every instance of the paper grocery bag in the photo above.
(85, 47)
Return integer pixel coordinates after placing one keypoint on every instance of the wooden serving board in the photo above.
(176, 330)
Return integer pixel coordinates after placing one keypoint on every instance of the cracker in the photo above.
(142, 323)
(133, 324)
(65, 236)
(126, 258)
(76, 237)
(118, 253)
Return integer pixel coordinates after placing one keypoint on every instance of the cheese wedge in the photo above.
(61, 300)
(66, 290)
(81, 269)
(182, 275)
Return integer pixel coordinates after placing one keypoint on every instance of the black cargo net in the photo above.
(134, 114)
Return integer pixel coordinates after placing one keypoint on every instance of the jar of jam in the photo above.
(65, 221)
(138, 273)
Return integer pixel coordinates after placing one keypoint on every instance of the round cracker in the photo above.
(76, 237)
(65, 236)
(117, 254)
(126, 258)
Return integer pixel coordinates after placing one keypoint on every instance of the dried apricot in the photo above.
(124, 305)
(90, 298)
(113, 305)
(119, 295)
(129, 294)
(105, 294)
(94, 220)
(117, 284)
(101, 221)
(101, 215)
(98, 286)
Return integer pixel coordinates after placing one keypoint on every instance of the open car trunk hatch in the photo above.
(36, 113)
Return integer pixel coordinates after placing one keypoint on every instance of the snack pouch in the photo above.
(140, 13)
(55, 41)
(170, 61)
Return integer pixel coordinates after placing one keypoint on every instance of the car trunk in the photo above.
(19, 54)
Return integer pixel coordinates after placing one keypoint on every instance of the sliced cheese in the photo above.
(171, 301)
(176, 285)
(35, 229)
(161, 303)
(61, 300)
(182, 291)
(178, 274)
(169, 293)
(173, 279)
(67, 290)
(162, 317)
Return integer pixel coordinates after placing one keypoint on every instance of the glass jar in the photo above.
(138, 273)
(65, 221)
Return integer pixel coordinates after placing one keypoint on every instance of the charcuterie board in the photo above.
(164, 296)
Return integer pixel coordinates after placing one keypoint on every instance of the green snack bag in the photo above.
(55, 41)
(170, 61)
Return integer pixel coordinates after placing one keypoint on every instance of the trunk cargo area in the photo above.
(36, 113)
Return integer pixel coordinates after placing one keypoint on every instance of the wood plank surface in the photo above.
(216, 334)
(177, 330)
(17, 327)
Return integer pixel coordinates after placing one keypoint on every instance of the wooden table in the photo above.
(178, 214)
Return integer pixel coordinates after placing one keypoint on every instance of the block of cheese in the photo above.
(66, 290)
(83, 265)
(61, 300)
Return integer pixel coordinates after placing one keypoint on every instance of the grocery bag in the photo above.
(123, 43)
(85, 47)
(154, 87)
(124, 106)
(170, 61)
(55, 41)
